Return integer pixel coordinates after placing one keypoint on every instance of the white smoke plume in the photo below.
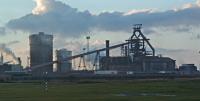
(198, 3)
(8, 51)
(192, 5)
(43, 6)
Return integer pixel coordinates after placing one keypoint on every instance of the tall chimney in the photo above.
(19, 61)
(1, 62)
(107, 48)
(126, 50)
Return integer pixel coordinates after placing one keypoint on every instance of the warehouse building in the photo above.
(188, 69)
(148, 64)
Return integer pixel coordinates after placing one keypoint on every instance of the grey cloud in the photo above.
(12, 42)
(164, 50)
(65, 20)
(2, 30)
(195, 37)
(182, 56)
(198, 36)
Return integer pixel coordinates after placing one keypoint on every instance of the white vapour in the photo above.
(192, 5)
(8, 51)
(41, 6)
(198, 3)
(135, 11)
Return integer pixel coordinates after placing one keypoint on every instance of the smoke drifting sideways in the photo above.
(4, 49)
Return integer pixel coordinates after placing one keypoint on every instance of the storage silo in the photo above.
(63, 66)
(41, 51)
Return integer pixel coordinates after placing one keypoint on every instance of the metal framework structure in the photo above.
(80, 55)
(136, 46)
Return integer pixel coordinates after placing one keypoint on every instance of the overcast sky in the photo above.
(172, 25)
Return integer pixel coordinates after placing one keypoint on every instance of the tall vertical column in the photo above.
(126, 51)
(107, 48)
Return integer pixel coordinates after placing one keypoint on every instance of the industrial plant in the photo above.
(138, 56)
(137, 59)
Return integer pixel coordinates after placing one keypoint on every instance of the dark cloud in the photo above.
(198, 36)
(164, 50)
(59, 18)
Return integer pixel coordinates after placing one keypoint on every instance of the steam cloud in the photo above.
(56, 17)
(8, 51)
(41, 7)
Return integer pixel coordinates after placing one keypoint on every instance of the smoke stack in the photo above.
(107, 48)
(126, 51)
(19, 61)
(1, 62)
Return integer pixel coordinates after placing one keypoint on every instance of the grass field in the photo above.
(163, 90)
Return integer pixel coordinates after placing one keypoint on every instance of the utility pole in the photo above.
(88, 43)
